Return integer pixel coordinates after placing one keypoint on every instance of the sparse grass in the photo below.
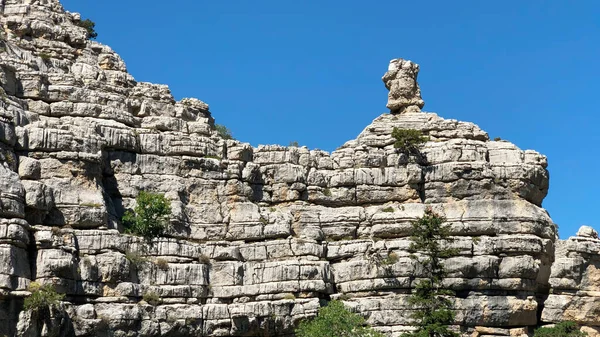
(263, 221)
(44, 56)
(161, 263)
(476, 239)
(388, 209)
(152, 298)
(136, 258)
(42, 297)
(289, 297)
(91, 204)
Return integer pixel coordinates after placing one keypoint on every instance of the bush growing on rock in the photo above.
(223, 131)
(433, 307)
(334, 320)
(562, 329)
(408, 140)
(150, 216)
(42, 297)
(89, 26)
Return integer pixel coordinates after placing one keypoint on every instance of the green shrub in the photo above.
(89, 26)
(223, 131)
(135, 258)
(562, 329)
(327, 192)
(388, 209)
(408, 140)
(162, 263)
(336, 321)
(391, 259)
(293, 144)
(289, 296)
(432, 307)
(45, 56)
(150, 216)
(152, 298)
(42, 297)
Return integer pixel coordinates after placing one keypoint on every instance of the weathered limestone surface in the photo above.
(259, 237)
(575, 282)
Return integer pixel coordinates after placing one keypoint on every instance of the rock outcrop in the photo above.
(259, 238)
(401, 81)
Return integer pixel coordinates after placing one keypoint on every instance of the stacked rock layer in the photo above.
(259, 238)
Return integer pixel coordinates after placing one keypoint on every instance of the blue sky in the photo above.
(310, 71)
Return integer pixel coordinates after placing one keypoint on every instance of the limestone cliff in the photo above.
(259, 237)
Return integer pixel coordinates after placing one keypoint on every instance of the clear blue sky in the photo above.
(310, 71)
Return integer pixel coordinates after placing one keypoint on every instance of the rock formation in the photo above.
(259, 237)
(401, 81)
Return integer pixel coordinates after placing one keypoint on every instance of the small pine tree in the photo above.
(408, 140)
(433, 309)
(334, 320)
(89, 26)
(150, 215)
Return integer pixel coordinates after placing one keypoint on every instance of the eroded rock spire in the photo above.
(401, 81)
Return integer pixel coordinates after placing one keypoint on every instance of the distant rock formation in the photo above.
(259, 238)
(401, 81)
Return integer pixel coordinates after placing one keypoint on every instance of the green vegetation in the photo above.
(150, 216)
(162, 263)
(135, 258)
(42, 297)
(327, 192)
(89, 26)
(91, 204)
(152, 298)
(408, 140)
(223, 131)
(388, 209)
(433, 309)
(289, 296)
(497, 139)
(335, 320)
(391, 259)
(45, 56)
(562, 329)
(293, 144)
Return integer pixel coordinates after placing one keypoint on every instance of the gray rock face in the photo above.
(401, 81)
(575, 282)
(259, 238)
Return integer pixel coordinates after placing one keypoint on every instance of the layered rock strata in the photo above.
(259, 238)
(575, 282)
